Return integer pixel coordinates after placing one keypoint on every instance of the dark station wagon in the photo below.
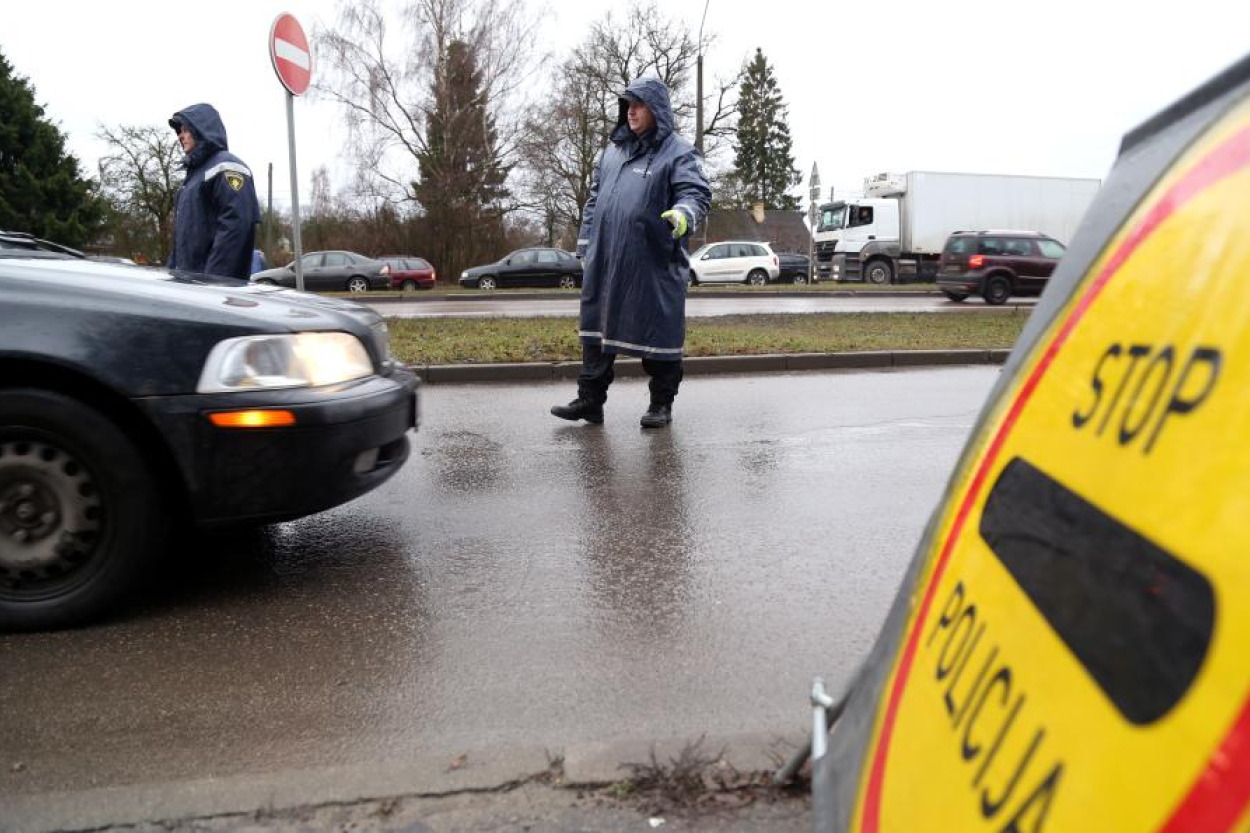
(997, 264)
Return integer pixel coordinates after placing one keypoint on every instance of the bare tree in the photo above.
(384, 76)
(140, 177)
(561, 151)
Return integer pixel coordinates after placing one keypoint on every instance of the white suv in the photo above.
(734, 261)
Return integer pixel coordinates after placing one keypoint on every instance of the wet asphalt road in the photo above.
(696, 307)
(522, 581)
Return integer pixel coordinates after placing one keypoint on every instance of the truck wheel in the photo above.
(957, 297)
(81, 511)
(997, 290)
(757, 277)
(879, 272)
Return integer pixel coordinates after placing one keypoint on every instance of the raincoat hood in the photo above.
(653, 93)
(206, 126)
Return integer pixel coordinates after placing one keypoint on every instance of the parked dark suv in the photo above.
(997, 264)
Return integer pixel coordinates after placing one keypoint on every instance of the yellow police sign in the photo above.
(1075, 656)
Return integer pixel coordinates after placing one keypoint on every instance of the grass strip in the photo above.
(491, 340)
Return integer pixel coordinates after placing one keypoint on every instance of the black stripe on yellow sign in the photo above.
(1136, 617)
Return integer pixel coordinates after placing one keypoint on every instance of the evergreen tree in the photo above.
(461, 184)
(762, 146)
(41, 189)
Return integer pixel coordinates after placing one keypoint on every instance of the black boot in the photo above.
(657, 416)
(579, 409)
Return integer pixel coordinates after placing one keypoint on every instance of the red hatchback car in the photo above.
(409, 273)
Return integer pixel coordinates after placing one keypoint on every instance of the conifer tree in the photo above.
(461, 185)
(41, 189)
(763, 155)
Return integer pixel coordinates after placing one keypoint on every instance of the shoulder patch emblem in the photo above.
(235, 181)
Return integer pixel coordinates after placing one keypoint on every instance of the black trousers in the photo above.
(597, 375)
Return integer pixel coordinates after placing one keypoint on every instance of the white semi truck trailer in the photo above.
(896, 231)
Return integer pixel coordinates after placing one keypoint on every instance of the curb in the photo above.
(424, 298)
(704, 365)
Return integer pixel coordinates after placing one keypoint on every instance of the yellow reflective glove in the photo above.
(677, 219)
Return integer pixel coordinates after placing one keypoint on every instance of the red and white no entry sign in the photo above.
(288, 49)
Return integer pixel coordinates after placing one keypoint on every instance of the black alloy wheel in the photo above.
(997, 290)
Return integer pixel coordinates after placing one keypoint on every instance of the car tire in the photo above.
(800, 279)
(409, 286)
(357, 284)
(265, 282)
(567, 282)
(486, 282)
(878, 271)
(694, 279)
(757, 277)
(996, 291)
(81, 510)
(957, 297)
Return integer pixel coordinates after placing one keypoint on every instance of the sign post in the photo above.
(292, 61)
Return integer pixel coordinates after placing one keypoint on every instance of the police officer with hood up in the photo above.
(216, 213)
(649, 192)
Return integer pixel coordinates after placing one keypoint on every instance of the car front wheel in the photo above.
(81, 511)
(757, 277)
(486, 282)
(568, 282)
(997, 291)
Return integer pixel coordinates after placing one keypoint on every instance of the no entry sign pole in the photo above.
(295, 219)
(292, 61)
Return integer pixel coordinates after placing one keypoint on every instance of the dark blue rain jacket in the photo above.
(635, 273)
(216, 214)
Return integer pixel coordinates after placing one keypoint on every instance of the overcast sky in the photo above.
(989, 87)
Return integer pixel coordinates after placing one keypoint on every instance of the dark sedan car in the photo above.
(410, 273)
(331, 272)
(526, 267)
(134, 400)
(795, 268)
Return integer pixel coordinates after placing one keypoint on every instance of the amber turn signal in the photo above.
(252, 419)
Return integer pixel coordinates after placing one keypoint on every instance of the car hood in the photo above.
(203, 298)
(486, 269)
(277, 272)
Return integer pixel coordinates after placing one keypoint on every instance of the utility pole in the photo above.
(813, 191)
(269, 217)
(698, 108)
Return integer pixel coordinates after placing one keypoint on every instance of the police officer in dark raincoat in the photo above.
(216, 214)
(649, 192)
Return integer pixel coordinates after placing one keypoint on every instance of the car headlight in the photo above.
(295, 360)
(464, 274)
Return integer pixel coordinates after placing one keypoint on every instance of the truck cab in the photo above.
(850, 232)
